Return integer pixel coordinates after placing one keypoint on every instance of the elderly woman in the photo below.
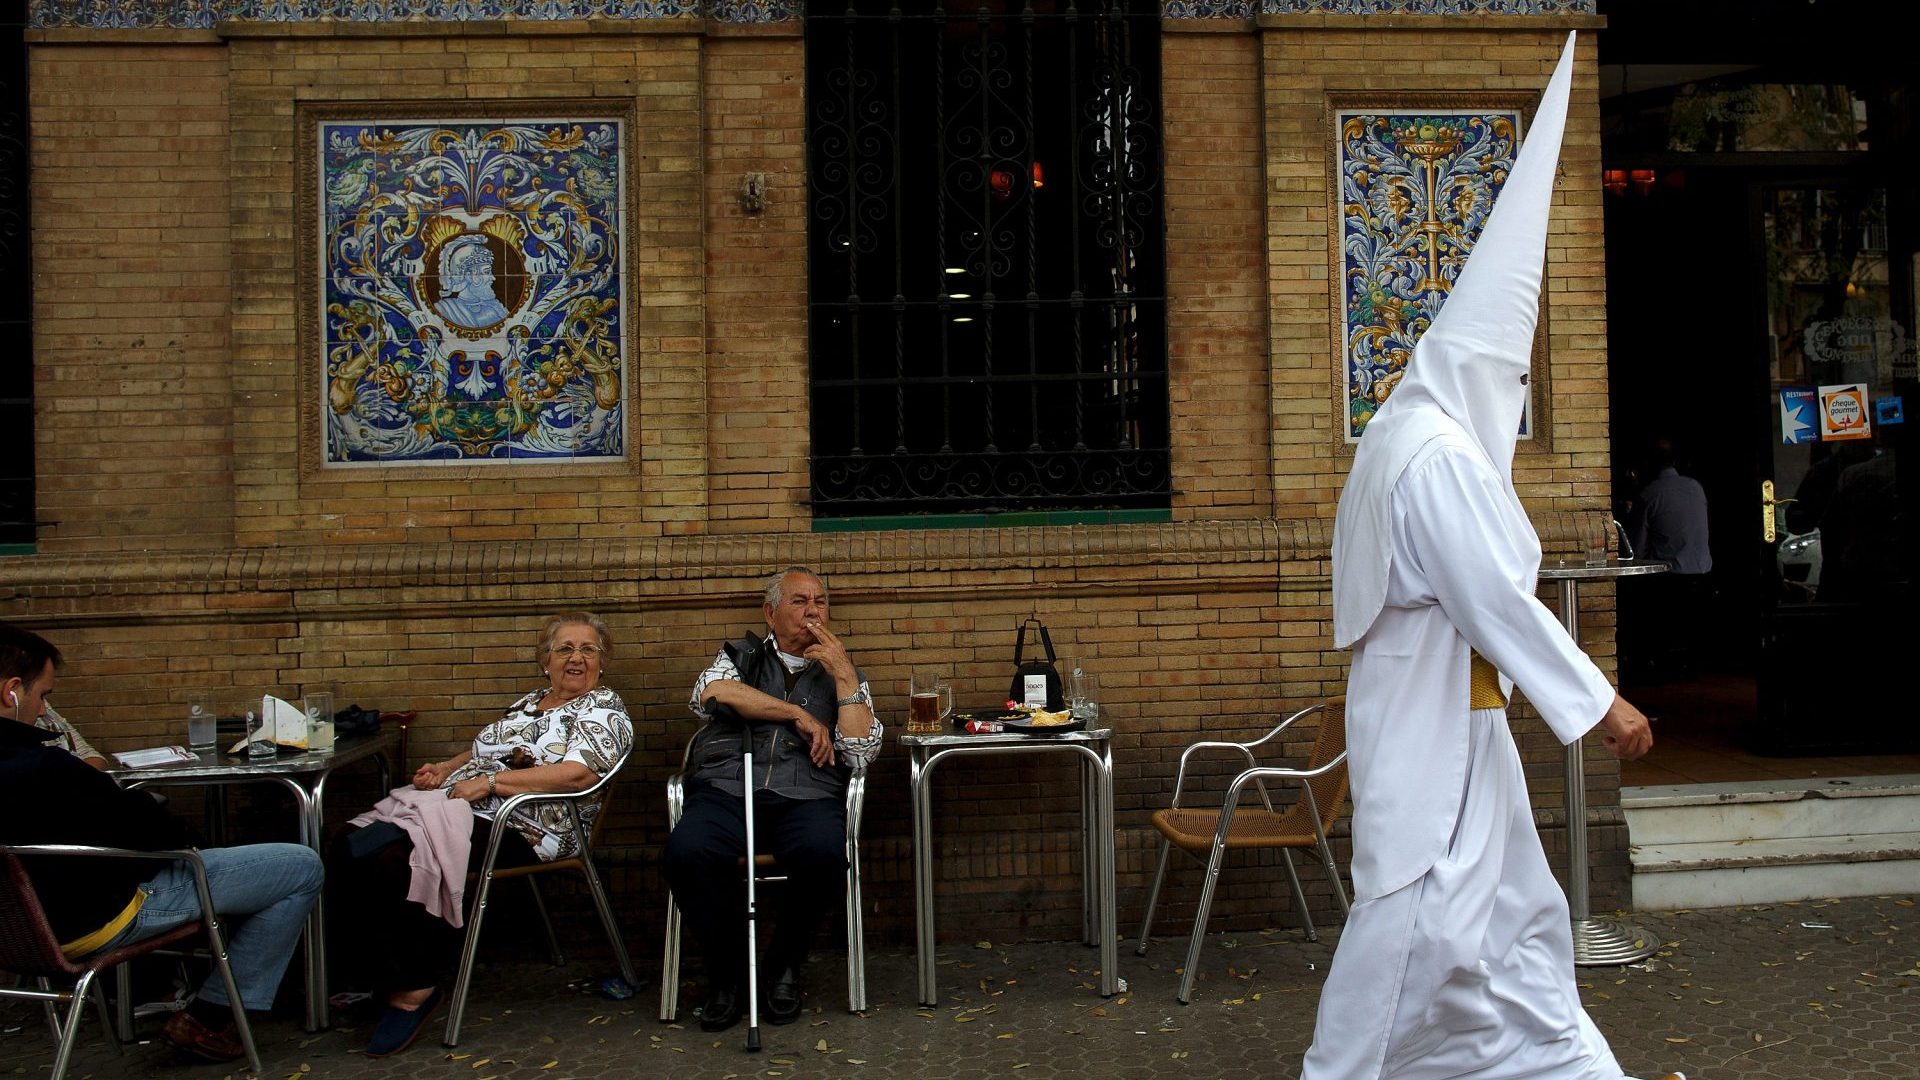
(562, 737)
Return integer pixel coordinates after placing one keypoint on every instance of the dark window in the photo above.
(16, 284)
(986, 257)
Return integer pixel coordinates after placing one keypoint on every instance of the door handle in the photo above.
(1769, 530)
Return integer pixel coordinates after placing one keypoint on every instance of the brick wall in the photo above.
(202, 555)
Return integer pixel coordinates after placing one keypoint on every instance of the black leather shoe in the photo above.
(722, 1009)
(783, 997)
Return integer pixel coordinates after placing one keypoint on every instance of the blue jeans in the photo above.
(272, 885)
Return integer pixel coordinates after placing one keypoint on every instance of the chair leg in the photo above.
(1153, 897)
(546, 922)
(1333, 875)
(856, 941)
(605, 908)
(1200, 918)
(70, 1029)
(106, 1017)
(468, 948)
(1299, 895)
(217, 943)
(670, 965)
(53, 1014)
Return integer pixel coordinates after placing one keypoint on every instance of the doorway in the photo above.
(1761, 322)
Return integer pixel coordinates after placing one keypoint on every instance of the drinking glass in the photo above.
(259, 734)
(1084, 691)
(318, 706)
(201, 731)
(929, 703)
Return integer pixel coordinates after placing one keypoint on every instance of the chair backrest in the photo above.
(27, 944)
(1330, 789)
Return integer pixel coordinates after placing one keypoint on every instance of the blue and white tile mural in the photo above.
(1415, 190)
(474, 296)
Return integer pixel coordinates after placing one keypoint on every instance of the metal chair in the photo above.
(765, 870)
(581, 861)
(1323, 794)
(28, 947)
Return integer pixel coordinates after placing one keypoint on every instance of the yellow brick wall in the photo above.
(133, 380)
(203, 557)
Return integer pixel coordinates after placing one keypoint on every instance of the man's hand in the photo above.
(432, 775)
(830, 654)
(1627, 733)
(819, 739)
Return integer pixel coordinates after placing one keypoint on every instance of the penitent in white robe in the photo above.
(1457, 959)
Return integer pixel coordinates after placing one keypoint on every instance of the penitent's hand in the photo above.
(1626, 731)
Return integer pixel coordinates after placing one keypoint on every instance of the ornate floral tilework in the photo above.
(473, 279)
(1414, 191)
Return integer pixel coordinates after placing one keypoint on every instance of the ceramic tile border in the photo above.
(206, 14)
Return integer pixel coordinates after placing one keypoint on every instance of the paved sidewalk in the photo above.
(1818, 990)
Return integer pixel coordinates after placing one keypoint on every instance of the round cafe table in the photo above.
(1596, 942)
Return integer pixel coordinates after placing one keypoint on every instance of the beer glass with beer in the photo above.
(929, 704)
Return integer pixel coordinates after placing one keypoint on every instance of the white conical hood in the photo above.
(1468, 371)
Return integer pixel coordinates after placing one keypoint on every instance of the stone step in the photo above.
(1774, 809)
(1723, 874)
(1714, 845)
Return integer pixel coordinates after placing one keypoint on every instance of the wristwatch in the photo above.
(855, 698)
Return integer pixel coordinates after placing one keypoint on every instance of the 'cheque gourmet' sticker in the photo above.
(1843, 412)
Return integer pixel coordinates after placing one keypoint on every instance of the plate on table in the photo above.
(960, 719)
(1032, 725)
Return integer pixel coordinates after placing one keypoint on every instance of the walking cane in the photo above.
(753, 913)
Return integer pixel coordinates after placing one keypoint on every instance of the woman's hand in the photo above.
(432, 775)
(472, 789)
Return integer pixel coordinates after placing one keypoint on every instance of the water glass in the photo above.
(319, 709)
(201, 723)
(1084, 692)
(929, 703)
(1597, 548)
(259, 732)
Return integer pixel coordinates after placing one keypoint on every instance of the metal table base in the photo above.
(1099, 923)
(305, 777)
(1596, 942)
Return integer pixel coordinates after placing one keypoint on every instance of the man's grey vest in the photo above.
(780, 761)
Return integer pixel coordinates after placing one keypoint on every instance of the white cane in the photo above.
(753, 913)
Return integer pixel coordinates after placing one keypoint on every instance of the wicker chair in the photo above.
(580, 862)
(28, 947)
(1215, 830)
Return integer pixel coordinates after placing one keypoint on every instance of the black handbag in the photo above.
(1025, 671)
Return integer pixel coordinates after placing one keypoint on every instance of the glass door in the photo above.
(1836, 605)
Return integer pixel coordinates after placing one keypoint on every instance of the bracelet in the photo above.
(490, 792)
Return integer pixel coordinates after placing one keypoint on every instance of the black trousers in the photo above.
(807, 836)
(386, 941)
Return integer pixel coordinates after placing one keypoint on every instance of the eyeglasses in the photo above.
(568, 652)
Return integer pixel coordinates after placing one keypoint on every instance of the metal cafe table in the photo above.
(1099, 922)
(1596, 942)
(305, 775)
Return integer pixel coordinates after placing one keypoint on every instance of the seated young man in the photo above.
(49, 796)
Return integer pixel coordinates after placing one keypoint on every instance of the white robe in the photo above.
(1457, 959)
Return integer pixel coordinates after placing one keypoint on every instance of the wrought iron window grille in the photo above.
(986, 257)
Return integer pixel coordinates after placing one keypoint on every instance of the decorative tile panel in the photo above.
(1426, 7)
(204, 14)
(472, 290)
(1414, 190)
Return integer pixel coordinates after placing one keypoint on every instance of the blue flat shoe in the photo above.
(399, 1027)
